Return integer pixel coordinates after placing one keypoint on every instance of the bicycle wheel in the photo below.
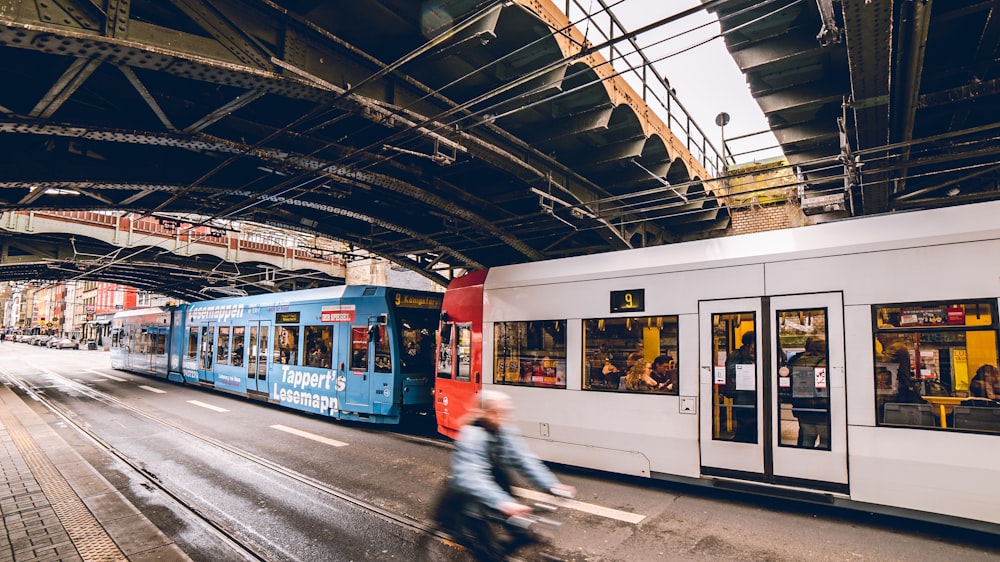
(433, 547)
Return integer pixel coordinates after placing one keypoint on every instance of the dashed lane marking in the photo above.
(308, 435)
(209, 406)
(106, 376)
(151, 389)
(590, 508)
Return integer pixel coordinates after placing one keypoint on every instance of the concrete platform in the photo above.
(54, 506)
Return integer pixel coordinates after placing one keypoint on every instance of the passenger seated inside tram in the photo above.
(639, 378)
(636, 355)
(610, 374)
(664, 373)
(981, 388)
(906, 393)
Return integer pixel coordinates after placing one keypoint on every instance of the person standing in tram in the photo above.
(744, 401)
(808, 403)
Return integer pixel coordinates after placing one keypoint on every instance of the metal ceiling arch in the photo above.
(445, 135)
(61, 257)
(890, 104)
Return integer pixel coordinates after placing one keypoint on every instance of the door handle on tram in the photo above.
(478, 377)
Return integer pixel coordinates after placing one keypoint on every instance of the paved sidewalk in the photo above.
(54, 506)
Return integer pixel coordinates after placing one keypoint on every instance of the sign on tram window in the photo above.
(628, 301)
(337, 313)
(286, 317)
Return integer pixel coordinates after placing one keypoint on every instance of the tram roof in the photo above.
(863, 234)
(277, 299)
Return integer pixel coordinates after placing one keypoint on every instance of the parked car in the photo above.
(65, 343)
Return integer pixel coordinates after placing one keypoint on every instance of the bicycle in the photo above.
(461, 540)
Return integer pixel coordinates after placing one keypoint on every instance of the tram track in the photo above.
(218, 527)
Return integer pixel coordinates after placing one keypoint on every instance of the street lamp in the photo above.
(722, 119)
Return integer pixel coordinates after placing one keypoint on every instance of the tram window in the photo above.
(161, 343)
(359, 348)
(286, 345)
(383, 359)
(319, 346)
(222, 350)
(445, 364)
(141, 342)
(238, 345)
(936, 365)
(207, 346)
(531, 353)
(611, 346)
(734, 388)
(463, 351)
(803, 394)
(192, 345)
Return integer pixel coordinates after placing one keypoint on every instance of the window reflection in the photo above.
(803, 392)
(935, 365)
(631, 354)
(531, 353)
(734, 392)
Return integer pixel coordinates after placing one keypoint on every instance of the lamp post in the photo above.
(722, 119)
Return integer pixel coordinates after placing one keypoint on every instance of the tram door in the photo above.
(258, 360)
(455, 386)
(773, 400)
(206, 354)
(358, 386)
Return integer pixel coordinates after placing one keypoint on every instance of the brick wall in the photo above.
(761, 218)
(762, 197)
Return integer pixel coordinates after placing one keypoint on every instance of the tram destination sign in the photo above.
(286, 317)
(409, 300)
(628, 301)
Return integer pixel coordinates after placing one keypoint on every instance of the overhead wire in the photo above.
(463, 24)
(495, 92)
(295, 187)
(491, 94)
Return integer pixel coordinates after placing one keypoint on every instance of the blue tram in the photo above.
(359, 353)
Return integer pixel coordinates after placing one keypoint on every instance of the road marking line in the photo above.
(151, 389)
(106, 376)
(209, 406)
(308, 435)
(590, 508)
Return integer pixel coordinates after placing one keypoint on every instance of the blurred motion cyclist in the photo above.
(488, 452)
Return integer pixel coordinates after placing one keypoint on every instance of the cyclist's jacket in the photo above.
(483, 460)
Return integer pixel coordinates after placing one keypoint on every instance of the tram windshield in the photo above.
(418, 337)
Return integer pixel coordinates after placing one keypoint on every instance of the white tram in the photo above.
(874, 340)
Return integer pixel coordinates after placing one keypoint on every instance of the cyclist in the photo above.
(488, 452)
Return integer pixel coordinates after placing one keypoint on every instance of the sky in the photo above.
(705, 77)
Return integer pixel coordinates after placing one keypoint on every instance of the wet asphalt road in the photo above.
(174, 434)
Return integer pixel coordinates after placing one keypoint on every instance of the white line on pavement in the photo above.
(590, 508)
(105, 375)
(209, 406)
(308, 435)
(151, 389)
